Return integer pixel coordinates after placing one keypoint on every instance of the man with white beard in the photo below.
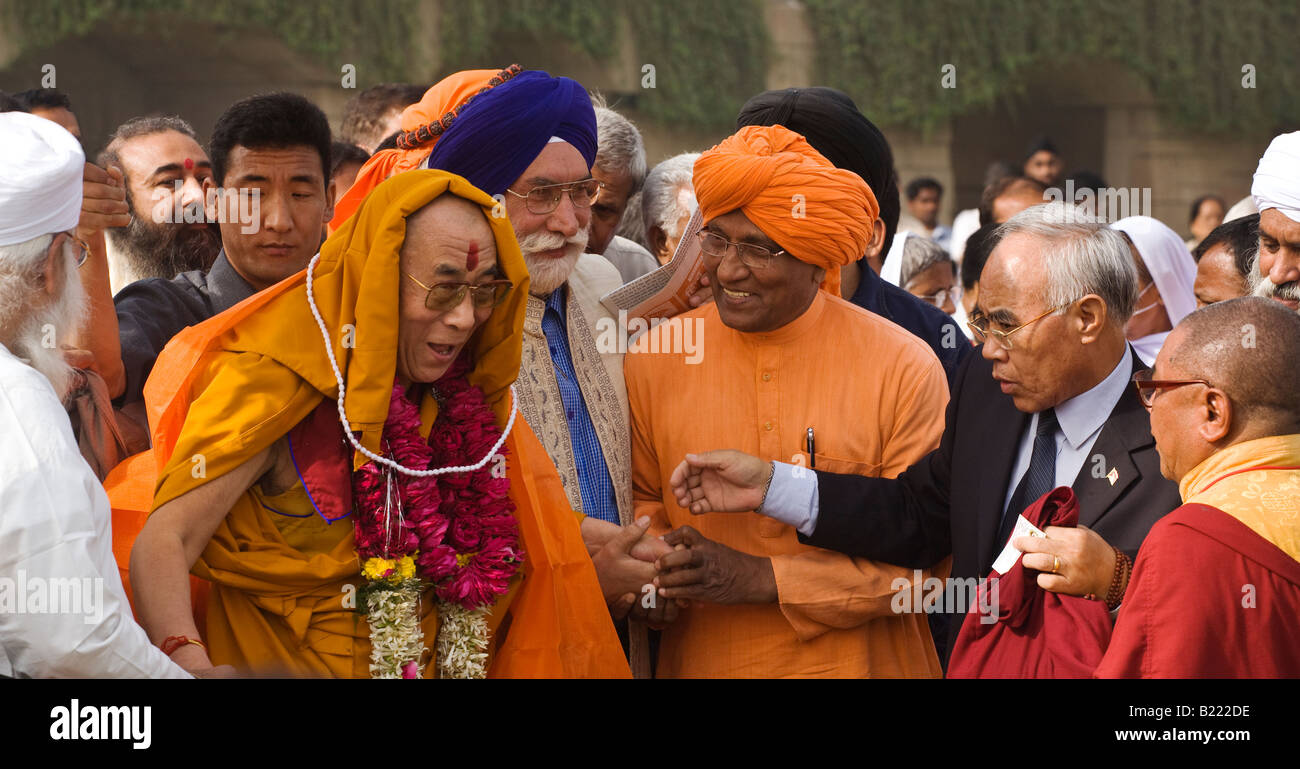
(62, 608)
(1276, 190)
(531, 143)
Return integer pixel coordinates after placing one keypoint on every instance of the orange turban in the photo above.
(820, 214)
(422, 123)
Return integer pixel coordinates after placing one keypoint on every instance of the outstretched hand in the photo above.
(720, 482)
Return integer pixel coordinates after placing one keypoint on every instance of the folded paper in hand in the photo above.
(1009, 554)
(664, 293)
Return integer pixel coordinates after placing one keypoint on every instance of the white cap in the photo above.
(41, 167)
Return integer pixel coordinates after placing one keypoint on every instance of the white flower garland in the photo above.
(462, 641)
(395, 634)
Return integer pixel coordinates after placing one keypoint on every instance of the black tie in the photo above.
(1039, 479)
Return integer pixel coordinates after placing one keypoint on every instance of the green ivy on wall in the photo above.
(375, 34)
(711, 55)
(888, 54)
(708, 55)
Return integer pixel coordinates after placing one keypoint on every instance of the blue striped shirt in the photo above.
(594, 483)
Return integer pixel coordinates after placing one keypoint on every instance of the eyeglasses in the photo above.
(1148, 387)
(447, 296)
(80, 249)
(545, 199)
(753, 256)
(938, 299)
(983, 332)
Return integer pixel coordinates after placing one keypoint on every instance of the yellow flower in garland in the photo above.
(376, 569)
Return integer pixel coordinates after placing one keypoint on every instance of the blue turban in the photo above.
(501, 132)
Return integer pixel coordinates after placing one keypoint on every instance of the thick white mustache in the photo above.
(1266, 288)
(546, 240)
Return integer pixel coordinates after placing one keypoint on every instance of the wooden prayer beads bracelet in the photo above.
(1123, 567)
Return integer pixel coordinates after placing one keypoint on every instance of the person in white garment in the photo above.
(63, 612)
(1166, 278)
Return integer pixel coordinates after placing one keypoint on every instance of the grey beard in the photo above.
(164, 250)
(546, 276)
(1265, 287)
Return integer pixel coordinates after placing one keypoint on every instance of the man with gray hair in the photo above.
(71, 616)
(163, 168)
(620, 169)
(929, 273)
(1047, 404)
(667, 202)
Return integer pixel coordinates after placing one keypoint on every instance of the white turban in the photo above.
(41, 166)
(1277, 179)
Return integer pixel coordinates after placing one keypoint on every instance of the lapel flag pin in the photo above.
(1112, 476)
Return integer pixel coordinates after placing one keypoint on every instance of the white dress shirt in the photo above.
(63, 612)
(1081, 419)
(792, 497)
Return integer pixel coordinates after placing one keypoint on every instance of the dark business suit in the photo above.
(951, 501)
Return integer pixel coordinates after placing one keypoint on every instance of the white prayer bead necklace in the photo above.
(347, 426)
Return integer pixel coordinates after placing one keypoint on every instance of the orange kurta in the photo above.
(875, 397)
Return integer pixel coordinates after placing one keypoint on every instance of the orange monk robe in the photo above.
(875, 397)
(235, 384)
(130, 496)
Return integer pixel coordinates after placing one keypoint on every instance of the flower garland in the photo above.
(455, 534)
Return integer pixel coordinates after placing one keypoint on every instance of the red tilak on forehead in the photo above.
(189, 164)
(471, 258)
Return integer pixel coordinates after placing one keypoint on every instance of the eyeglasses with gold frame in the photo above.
(982, 332)
(447, 295)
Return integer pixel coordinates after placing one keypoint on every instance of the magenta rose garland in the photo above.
(455, 534)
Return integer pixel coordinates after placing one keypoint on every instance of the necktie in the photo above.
(1039, 479)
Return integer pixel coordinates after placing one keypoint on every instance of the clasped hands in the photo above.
(681, 566)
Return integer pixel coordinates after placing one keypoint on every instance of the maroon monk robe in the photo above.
(1209, 598)
(1038, 634)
